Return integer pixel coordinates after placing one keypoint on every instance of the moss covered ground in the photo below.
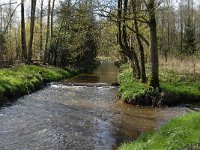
(24, 79)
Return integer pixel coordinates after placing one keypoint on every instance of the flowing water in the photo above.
(78, 114)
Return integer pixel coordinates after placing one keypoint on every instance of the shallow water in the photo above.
(78, 117)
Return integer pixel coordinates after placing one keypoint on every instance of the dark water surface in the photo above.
(86, 116)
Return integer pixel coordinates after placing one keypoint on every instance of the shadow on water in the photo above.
(63, 116)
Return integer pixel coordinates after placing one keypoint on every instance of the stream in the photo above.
(82, 113)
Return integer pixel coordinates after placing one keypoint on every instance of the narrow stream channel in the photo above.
(82, 113)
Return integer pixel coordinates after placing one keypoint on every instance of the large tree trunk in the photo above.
(23, 33)
(46, 52)
(154, 64)
(33, 7)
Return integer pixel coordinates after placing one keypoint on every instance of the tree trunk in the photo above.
(46, 52)
(154, 64)
(181, 22)
(33, 7)
(142, 57)
(168, 42)
(41, 26)
(52, 14)
(141, 48)
(126, 49)
(23, 33)
(135, 63)
(52, 36)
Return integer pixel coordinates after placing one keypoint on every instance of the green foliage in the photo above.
(189, 39)
(108, 46)
(180, 133)
(76, 43)
(23, 79)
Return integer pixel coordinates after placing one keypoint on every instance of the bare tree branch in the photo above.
(12, 14)
(141, 36)
(8, 4)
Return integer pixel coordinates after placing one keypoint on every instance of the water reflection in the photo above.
(105, 73)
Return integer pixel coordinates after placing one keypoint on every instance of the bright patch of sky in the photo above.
(175, 3)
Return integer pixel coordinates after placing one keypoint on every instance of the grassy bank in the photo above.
(175, 88)
(21, 80)
(181, 133)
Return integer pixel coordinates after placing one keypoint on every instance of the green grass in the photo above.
(181, 133)
(23, 79)
(129, 88)
(182, 87)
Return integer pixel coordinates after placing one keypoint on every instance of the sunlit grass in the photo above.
(183, 87)
(181, 133)
(129, 88)
(26, 78)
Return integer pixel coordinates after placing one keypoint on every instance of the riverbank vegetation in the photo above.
(176, 86)
(179, 133)
(24, 79)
